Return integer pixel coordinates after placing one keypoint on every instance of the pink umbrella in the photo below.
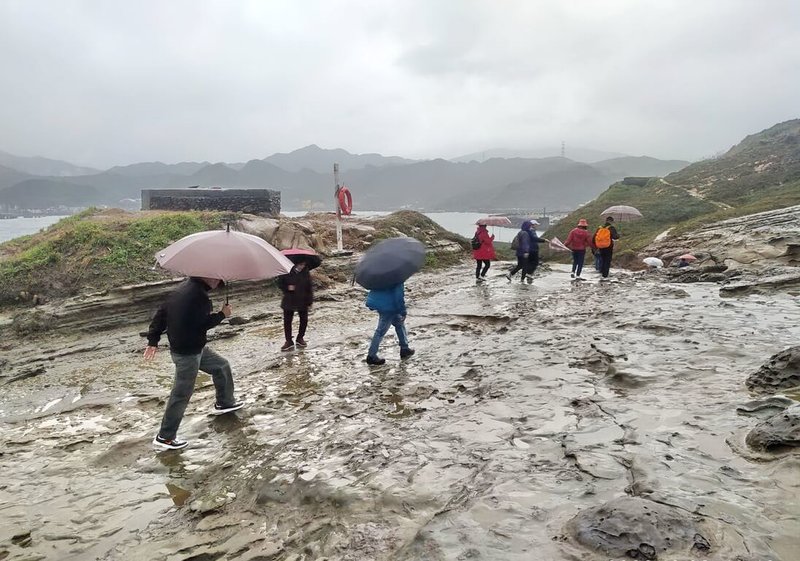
(622, 213)
(688, 257)
(494, 221)
(226, 255)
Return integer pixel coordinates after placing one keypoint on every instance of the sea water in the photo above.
(11, 228)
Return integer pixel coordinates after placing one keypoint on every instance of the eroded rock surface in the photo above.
(777, 432)
(638, 529)
(781, 372)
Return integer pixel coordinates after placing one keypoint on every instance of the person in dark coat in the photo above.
(603, 240)
(298, 296)
(483, 254)
(390, 303)
(186, 316)
(527, 245)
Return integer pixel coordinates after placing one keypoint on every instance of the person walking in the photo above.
(186, 316)
(526, 243)
(391, 307)
(578, 241)
(482, 251)
(603, 240)
(298, 297)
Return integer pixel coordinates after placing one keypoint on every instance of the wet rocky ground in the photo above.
(558, 421)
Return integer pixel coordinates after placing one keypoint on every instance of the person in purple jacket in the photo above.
(527, 245)
(390, 304)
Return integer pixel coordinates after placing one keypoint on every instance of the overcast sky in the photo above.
(107, 82)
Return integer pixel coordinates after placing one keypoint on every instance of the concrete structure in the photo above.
(252, 201)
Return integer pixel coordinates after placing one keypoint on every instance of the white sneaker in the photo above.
(219, 410)
(174, 444)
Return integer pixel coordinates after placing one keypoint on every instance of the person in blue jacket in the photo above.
(527, 245)
(390, 303)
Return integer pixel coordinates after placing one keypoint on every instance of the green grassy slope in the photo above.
(760, 173)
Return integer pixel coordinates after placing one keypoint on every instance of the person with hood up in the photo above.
(526, 243)
(186, 316)
(603, 240)
(484, 253)
(578, 241)
(298, 296)
(390, 304)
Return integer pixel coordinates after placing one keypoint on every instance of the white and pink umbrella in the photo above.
(494, 221)
(622, 213)
(688, 257)
(226, 255)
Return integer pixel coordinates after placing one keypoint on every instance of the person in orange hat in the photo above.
(578, 241)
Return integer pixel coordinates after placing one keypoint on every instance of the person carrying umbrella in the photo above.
(482, 251)
(298, 295)
(526, 243)
(209, 259)
(186, 316)
(603, 240)
(577, 241)
(390, 304)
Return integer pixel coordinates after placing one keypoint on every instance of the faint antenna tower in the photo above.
(563, 149)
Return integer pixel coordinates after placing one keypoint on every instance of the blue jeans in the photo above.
(598, 261)
(577, 261)
(384, 321)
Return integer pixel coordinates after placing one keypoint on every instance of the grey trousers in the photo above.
(186, 368)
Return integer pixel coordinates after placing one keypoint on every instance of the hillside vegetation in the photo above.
(760, 173)
(94, 250)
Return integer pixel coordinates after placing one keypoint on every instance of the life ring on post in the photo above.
(345, 200)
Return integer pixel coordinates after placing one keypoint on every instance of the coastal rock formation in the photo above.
(779, 431)
(637, 528)
(781, 372)
(767, 238)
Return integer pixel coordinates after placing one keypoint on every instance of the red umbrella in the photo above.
(308, 256)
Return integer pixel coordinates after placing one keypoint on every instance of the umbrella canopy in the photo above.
(622, 213)
(308, 256)
(653, 262)
(688, 257)
(494, 221)
(225, 255)
(390, 262)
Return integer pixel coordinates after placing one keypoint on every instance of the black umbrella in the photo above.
(390, 262)
(307, 256)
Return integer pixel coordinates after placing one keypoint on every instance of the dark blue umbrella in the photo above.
(390, 262)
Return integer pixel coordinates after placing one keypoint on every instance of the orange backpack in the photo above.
(602, 238)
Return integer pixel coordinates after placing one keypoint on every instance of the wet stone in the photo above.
(637, 528)
(764, 408)
(779, 431)
(781, 372)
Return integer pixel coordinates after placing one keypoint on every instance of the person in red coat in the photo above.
(483, 253)
(578, 241)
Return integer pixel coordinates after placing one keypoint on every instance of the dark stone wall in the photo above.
(252, 201)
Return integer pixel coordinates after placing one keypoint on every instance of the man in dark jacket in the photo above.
(298, 296)
(605, 251)
(186, 316)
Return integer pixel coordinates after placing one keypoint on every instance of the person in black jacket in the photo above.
(298, 296)
(186, 316)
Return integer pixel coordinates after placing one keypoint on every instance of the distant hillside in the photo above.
(583, 155)
(646, 166)
(760, 173)
(43, 166)
(157, 168)
(31, 192)
(9, 176)
(377, 182)
(321, 160)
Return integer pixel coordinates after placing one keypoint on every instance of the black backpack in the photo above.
(475, 242)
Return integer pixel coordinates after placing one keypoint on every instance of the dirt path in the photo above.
(696, 194)
(523, 406)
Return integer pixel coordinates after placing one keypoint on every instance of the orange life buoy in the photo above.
(345, 200)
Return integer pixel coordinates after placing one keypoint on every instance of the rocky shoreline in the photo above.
(558, 420)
